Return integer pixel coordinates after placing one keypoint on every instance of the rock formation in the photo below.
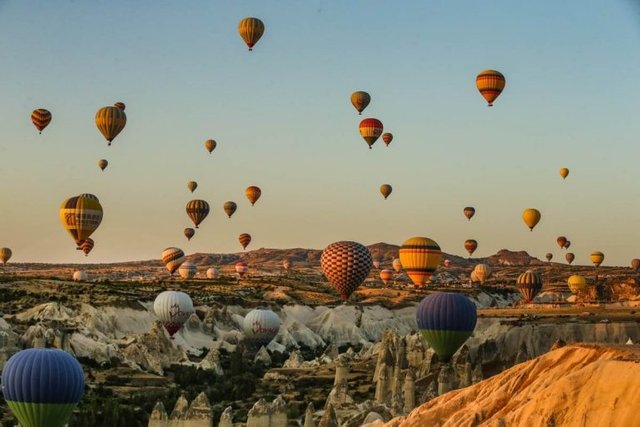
(264, 414)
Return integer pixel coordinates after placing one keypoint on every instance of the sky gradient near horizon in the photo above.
(283, 121)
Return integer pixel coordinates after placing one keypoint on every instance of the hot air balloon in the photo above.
(386, 190)
(229, 208)
(5, 255)
(253, 194)
(474, 277)
(41, 118)
(549, 256)
(172, 258)
(212, 273)
(569, 256)
(576, 283)
(42, 386)
(597, 258)
(345, 265)
(445, 321)
(564, 172)
(360, 100)
(110, 122)
(197, 211)
(189, 233)
(490, 83)
(86, 246)
(386, 276)
(81, 215)
(482, 272)
(244, 240)
(397, 265)
(120, 106)
(80, 276)
(566, 245)
(210, 145)
(420, 256)
(102, 164)
(447, 263)
(471, 246)
(635, 263)
(387, 138)
(377, 263)
(529, 284)
(370, 130)
(469, 212)
(251, 29)
(531, 217)
(192, 185)
(187, 270)
(173, 309)
(260, 326)
(241, 268)
(561, 241)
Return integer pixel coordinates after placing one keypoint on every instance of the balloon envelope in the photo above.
(386, 276)
(397, 265)
(596, 258)
(192, 185)
(420, 256)
(370, 130)
(253, 193)
(345, 265)
(564, 172)
(635, 264)
(197, 210)
(229, 208)
(189, 233)
(469, 212)
(241, 268)
(41, 118)
(251, 30)
(213, 273)
(531, 217)
(529, 284)
(173, 309)
(210, 145)
(80, 276)
(569, 256)
(244, 240)
(102, 164)
(490, 83)
(471, 246)
(187, 270)
(260, 326)
(386, 190)
(80, 216)
(482, 272)
(172, 258)
(387, 138)
(561, 241)
(5, 255)
(360, 100)
(576, 283)
(549, 256)
(110, 122)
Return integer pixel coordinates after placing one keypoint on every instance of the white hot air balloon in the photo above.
(213, 273)
(187, 270)
(261, 326)
(80, 276)
(173, 308)
(397, 265)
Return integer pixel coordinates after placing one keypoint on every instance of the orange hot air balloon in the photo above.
(41, 118)
(360, 100)
(596, 258)
(490, 83)
(251, 29)
(386, 190)
(370, 130)
(531, 217)
(561, 241)
(244, 239)
(386, 276)
(569, 257)
(471, 246)
(420, 256)
(189, 233)
(564, 173)
(469, 212)
(387, 138)
(253, 194)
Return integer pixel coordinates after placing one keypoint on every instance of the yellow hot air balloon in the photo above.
(251, 29)
(192, 185)
(81, 215)
(576, 283)
(5, 255)
(531, 217)
(386, 190)
(110, 122)
(253, 194)
(420, 256)
(360, 100)
(596, 258)
(210, 145)
(490, 83)
(564, 172)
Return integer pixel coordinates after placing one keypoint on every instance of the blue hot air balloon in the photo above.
(446, 320)
(42, 386)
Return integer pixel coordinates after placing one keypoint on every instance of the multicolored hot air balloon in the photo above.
(596, 258)
(397, 265)
(482, 272)
(244, 239)
(635, 263)
(445, 321)
(42, 386)
(192, 185)
(41, 118)
(531, 217)
(229, 208)
(213, 273)
(189, 233)
(470, 245)
(387, 138)
(346, 265)
(529, 284)
(80, 216)
(569, 256)
(386, 276)
(197, 211)
(260, 326)
(576, 283)
(549, 256)
(420, 256)
(172, 258)
(370, 130)
(564, 172)
(469, 212)
(253, 193)
(110, 122)
(251, 29)
(5, 255)
(561, 241)
(490, 83)
(360, 100)
(102, 164)
(386, 190)
(120, 106)
(173, 309)
(80, 276)
(87, 245)
(210, 145)
(241, 268)
(187, 270)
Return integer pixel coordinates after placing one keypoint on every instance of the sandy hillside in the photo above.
(577, 385)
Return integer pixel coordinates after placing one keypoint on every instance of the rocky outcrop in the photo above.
(264, 414)
(196, 414)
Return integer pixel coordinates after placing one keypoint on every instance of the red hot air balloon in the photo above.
(346, 265)
(371, 129)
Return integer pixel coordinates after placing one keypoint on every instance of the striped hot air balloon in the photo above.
(230, 208)
(110, 122)
(387, 138)
(386, 190)
(213, 273)
(370, 130)
(120, 106)
(471, 246)
(345, 265)
(482, 272)
(173, 309)
(360, 100)
(189, 233)
(469, 212)
(192, 185)
(576, 283)
(80, 216)
(41, 118)
(253, 193)
(172, 258)
(5, 255)
(596, 258)
(569, 256)
(529, 284)
(386, 276)
(490, 83)
(420, 256)
(242, 268)
(397, 265)
(549, 256)
(260, 327)
(531, 217)
(445, 321)
(244, 239)
(210, 145)
(187, 270)
(102, 164)
(197, 211)
(42, 386)
(87, 245)
(251, 29)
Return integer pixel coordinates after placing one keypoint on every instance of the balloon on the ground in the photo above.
(242, 268)
(189, 233)
(447, 263)
(197, 210)
(576, 283)
(80, 216)
(210, 145)
(569, 256)
(192, 185)
(370, 130)
(529, 284)
(482, 272)
(187, 270)
(110, 122)
(213, 273)
(469, 212)
(471, 245)
(102, 164)
(420, 256)
(531, 217)
(345, 265)
(360, 100)
(596, 258)
(260, 326)
(387, 138)
(386, 276)
(251, 30)
(397, 265)
(490, 83)
(244, 239)
(230, 208)
(41, 118)
(80, 276)
(386, 190)
(172, 258)
(173, 309)
(5, 255)
(635, 264)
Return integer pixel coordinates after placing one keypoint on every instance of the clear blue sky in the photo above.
(283, 121)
